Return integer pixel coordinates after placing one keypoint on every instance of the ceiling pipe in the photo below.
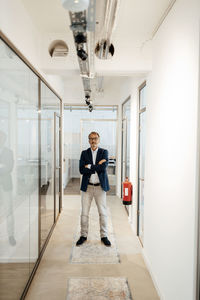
(104, 48)
(83, 25)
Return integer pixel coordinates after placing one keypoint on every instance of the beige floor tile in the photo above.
(50, 281)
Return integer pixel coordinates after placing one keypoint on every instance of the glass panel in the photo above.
(128, 147)
(49, 104)
(57, 179)
(27, 168)
(126, 111)
(142, 145)
(72, 139)
(143, 97)
(124, 148)
(141, 169)
(141, 220)
(18, 173)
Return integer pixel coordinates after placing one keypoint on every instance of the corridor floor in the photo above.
(56, 269)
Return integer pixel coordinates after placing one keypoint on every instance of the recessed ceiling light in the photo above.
(75, 5)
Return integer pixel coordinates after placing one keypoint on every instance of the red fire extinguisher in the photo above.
(127, 192)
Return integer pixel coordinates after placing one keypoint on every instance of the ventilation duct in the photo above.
(104, 48)
(58, 48)
(83, 26)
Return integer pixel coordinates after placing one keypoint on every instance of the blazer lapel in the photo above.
(90, 155)
(97, 157)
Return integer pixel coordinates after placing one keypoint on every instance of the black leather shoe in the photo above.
(106, 241)
(81, 240)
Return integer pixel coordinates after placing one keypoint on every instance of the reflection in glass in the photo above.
(18, 173)
(57, 162)
(19, 170)
(49, 104)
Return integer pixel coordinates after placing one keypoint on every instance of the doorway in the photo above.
(141, 160)
(77, 120)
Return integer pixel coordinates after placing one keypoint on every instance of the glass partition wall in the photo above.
(49, 181)
(141, 160)
(78, 123)
(29, 188)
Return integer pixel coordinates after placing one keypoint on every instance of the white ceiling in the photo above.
(135, 24)
(137, 20)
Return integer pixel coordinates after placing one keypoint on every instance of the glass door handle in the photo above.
(57, 168)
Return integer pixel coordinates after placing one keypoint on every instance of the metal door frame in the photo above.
(56, 115)
(197, 223)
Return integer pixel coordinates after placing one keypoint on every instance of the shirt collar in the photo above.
(94, 151)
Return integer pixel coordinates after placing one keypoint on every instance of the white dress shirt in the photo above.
(94, 178)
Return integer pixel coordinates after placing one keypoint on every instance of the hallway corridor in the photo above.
(55, 269)
(122, 76)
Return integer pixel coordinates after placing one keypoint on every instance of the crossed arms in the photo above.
(91, 169)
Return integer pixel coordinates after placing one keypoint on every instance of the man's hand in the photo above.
(101, 161)
(87, 166)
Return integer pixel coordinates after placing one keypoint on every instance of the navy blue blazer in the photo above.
(86, 159)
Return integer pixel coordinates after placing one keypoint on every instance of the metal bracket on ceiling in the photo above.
(81, 22)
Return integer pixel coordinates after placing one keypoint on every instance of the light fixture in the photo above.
(90, 107)
(75, 5)
(58, 48)
(82, 54)
(87, 99)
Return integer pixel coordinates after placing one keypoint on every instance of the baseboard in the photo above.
(148, 264)
(132, 226)
(17, 260)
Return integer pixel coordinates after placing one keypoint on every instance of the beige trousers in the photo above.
(99, 195)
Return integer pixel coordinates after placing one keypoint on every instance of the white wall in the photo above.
(169, 215)
(18, 27)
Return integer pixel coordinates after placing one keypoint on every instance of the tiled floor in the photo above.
(51, 279)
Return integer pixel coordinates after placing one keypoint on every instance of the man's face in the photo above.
(94, 141)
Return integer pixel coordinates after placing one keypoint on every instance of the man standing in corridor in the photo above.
(93, 164)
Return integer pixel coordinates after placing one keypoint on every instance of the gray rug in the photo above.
(105, 288)
(93, 251)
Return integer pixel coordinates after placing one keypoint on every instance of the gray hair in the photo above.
(93, 132)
